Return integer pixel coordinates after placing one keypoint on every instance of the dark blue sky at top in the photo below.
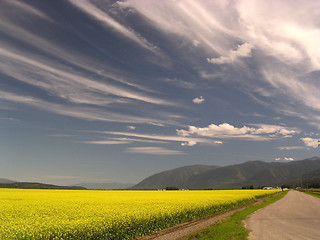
(100, 91)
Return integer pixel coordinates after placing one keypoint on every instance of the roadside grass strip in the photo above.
(87, 214)
(312, 192)
(233, 227)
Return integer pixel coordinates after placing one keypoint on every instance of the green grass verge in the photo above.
(312, 193)
(232, 227)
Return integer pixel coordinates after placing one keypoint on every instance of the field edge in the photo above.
(233, 227)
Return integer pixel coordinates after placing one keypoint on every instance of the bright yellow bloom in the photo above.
(87, 214)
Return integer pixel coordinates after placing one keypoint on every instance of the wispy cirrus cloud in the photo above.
(184, 141)
(133, 140)
(25, 8)
(10, 119)
(266, 34)
(120, 140)
(60, 135)
(243, 50)
(62, 52)
(153, 151)
(180, 83)
(106, 19)
(62, 71)
(292, 148)
(107, 142)
(64, 83)
(79, 112)
(190, 20)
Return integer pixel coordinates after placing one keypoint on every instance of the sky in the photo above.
(115, 91)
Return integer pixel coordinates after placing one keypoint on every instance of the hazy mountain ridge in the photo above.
(226, 177)
(311, 179)
(5, 181)
(174, 177)
(292, 170)
(106, 186)
(257, 173)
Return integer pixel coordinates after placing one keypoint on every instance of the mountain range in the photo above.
(304, 173)
(7, 183)
(252, 173)
(105, 186)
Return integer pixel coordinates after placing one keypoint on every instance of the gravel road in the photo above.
(296, 216)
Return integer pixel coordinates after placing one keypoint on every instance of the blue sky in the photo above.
(102, 91)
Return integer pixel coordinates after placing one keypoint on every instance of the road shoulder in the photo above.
(296, 216)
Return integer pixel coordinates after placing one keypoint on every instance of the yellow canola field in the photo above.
(88, 214)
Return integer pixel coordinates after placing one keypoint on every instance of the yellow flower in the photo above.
(84, 214)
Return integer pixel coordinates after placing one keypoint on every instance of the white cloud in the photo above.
(196, 43)
(199, 100)
(287, 48)
(153, 151)
(284, 159)
(284, 35)
(284, 38)
(311, 142)
(273, 27)
(278, 29)
(190, 20)
(243, 50)
(191, 143)
(225, 130)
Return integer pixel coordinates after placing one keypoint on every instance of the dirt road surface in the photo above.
(296, 216)
(182, 230)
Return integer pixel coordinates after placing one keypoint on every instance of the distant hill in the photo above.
(234, 176)
(289, 172)
(106, 186)
(176, 177)
(256, 173)
(309, 179)
(4, 180)
(35, 185)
